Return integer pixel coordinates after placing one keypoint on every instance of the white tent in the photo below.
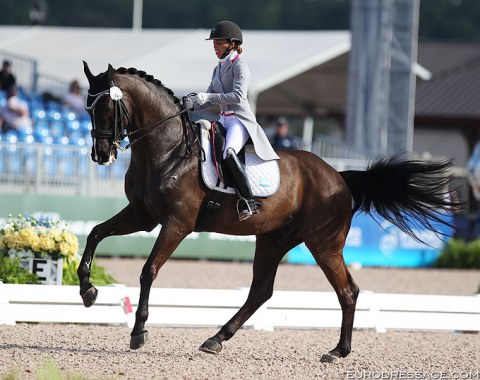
(293, 72)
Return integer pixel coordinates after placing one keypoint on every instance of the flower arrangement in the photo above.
(27, 237)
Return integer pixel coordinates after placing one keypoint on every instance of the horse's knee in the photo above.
(267, 294)
(149, 273)
(260, 294)
(83, 270)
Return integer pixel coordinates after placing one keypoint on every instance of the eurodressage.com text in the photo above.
(410, 375)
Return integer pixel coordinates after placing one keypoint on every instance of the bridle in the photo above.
(121, 130)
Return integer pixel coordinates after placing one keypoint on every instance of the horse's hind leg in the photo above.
(334, 267)
(127, 221)
(268, 254)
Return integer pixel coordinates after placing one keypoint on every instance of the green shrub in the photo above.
(46, 370)
(459, 254)
(12, 273)
(98, 275)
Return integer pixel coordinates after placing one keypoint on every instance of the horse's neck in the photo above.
(151, 109)
(163, 145)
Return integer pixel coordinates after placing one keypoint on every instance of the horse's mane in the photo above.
(148, 78)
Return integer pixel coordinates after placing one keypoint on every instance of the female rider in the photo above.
(228, 90)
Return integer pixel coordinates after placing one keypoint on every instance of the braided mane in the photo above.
(148, 78)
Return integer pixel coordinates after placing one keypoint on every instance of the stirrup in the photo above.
(251, 207)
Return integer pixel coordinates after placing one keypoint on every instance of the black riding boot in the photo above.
(246, 205)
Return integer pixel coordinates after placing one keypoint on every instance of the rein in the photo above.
(149, 130)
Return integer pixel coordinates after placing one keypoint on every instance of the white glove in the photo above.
(189, 105)
(200, 99)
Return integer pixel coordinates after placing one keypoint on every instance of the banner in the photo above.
(373, 241)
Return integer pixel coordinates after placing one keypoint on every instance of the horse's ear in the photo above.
(87, 71)
(110, 73)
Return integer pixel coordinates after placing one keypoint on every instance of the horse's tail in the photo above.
(407, 193)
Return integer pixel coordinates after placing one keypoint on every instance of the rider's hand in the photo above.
(189, 104)
(200, 99)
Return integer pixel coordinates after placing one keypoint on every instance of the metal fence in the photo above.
(24, 68)
(30, 80)
(59, 169)
(68, 170)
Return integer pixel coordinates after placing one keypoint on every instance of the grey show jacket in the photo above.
(228, 90)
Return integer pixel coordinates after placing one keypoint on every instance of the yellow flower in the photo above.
(47, 243)
(35, 243)
(27, 237)
(69, 237)
(13, 239)
(69, 246)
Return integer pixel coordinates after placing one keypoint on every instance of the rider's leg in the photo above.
(237, 134)
(236, 138)
(246, 205)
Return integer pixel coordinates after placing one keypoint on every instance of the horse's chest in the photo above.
(158, 192)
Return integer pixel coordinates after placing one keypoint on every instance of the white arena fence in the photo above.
(213, 307)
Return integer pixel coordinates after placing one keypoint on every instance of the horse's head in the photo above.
(108, 113)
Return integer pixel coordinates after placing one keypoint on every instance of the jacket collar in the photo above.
(231, 57)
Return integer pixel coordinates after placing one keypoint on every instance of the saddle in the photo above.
(264, 176)
(218, 139)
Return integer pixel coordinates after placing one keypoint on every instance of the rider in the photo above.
(228, 89)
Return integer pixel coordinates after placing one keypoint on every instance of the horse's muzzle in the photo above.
(103, 153)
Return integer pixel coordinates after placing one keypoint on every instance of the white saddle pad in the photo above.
(264, 176)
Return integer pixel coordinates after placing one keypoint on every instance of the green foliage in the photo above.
(459, 254)
(47, 370)
(11, 375)
(12, 273)
(98, 275)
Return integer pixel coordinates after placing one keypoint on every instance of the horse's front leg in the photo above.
(127, 221)
(166, 243)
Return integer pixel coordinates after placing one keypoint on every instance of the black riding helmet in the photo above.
(226, 30)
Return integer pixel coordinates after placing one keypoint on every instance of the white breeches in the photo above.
(237, 134)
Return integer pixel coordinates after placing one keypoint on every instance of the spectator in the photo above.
(74, 99)
(282, 139)
(15, 114)
(7, 79)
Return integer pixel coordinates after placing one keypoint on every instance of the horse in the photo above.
(314, 203)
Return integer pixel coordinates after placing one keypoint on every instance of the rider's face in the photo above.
(220, 46)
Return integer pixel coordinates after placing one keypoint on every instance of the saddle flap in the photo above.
(264, 176)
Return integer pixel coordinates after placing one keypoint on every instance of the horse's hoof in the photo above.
(138, 341)
(90, 296)
(211, 346)
(328, 358)
(332, 356)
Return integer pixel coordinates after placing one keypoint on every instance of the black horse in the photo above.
(313, 203)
